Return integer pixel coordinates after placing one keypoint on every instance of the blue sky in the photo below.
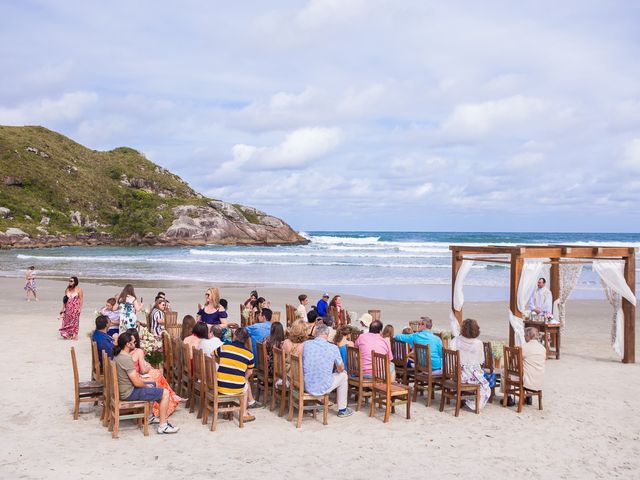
(352, 114)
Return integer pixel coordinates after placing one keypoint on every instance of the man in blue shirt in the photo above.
(104, 341)
(323, 305)
(319, 357)
(261, 330)
(424, 336)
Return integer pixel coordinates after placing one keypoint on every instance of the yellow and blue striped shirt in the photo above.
(235, 360)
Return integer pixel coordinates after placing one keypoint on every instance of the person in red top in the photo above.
(373, 341)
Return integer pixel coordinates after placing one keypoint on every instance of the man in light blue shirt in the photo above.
(424, 336)
(259, 331)
(318, 359)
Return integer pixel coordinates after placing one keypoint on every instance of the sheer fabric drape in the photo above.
(458, 295)
(531, 271)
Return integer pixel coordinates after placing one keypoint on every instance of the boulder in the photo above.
(13, 181)
(45, 221)
(76, 219)
(5, 212)
(15, 232)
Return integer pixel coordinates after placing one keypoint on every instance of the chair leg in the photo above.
(116, 425)
(205, 413)
(409, 406)
(301, 410)
(283, 401)
(76, 408)
(478, 400)
(520, 400)
(201, 406)
(242, 413)
(359, 393)
(145, 420)
(290, 416)
(214, 420)
(458, 401)
(415, 391)
(505, 395)
(429, 392)
(540, 400)
(373, 403)
(443, 394)
(325, 413)
(387, 409)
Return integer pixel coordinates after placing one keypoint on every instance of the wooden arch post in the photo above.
(516, 270)
(629, 310)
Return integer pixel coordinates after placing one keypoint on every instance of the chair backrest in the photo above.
(210, 374)
(167, 353)
(279, 363)
(296, 373)
(261, 349)
(380, 368)
(174, 330)
(106, 379)
(488, 356)
(354, 369)
(186, 359)
(451, 365)
(512, 363)
(375, 314)
(422, 358)
(114, 389)
(96, 367)
(76, 377)
(170, 318)
(414, 325)
(290, 312)
(198, 364)
(275, 317)
(400, 352)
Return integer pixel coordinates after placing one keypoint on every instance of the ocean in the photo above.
(388, 265)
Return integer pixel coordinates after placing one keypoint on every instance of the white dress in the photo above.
(471, 360)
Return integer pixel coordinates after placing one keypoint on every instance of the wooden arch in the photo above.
(515, 256)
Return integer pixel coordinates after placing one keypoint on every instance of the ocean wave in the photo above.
(314, 253)
(332, 240)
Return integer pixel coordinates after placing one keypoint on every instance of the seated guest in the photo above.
(365, 320)
(133, 388)
(471, 359)
(212, 313)
(388, 332)
(342, 340)
(275, 339)
(199, 332)
(329, 322)
(301, 311)
(111, 311)
(260, 330)
(102, 338)
(534, 356)
(323, 305)
(424, 336)
(188, 323)
(318, 361)
(295, 343)
(157, 317)
(373, 341)
(213, 342)
(153, 374)
(253, 296)
(312, 317)
(235, 367)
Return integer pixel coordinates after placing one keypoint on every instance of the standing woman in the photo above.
(71, 315)
(157, 316)
(30, 284)
(129, 306)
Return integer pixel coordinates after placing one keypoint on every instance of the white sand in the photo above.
(589, 428)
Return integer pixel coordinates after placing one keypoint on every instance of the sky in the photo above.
(351, 114)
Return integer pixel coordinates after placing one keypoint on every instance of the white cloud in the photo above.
(70, 106)
(631, 158)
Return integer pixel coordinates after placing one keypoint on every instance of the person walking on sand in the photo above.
(30, 283)
(73, 307)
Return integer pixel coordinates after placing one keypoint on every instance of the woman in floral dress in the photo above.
(129, 307)
(73, 307)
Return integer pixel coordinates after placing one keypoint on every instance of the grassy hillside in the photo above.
(45, 174)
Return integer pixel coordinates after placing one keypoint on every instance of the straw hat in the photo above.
(366, 320)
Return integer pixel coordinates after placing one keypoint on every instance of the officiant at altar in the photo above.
(541, 300)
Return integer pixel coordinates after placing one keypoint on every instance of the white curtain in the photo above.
(458, 295)
(615, 286)
(569, 275)
(531, 271)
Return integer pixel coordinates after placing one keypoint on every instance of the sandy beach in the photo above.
(589, 428)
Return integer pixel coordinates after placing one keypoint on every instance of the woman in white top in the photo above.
(471, 359)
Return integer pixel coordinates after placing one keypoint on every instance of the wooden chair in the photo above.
(275, 317)
(132, 410)
(96, 366)
(176, 368)
(170, 318)
(106, 399)
(263, 381)
(290, 312)
(280, 390)
(197, 382)
(375, 314)
(360, 386)
(512, 379)
(167, 356)
(174, 330)
(401, 360)
(424, 379)
(452, 386)
(186, 379)
(488, 367)
(384, 392)
(217, 403)
(301, 400)
(84, 392)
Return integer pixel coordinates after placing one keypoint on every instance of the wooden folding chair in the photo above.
(360, 386)
(301, 400)
(84, 392)
(96, 367)
(512, 379)
(197, 382)
(186, 378)
(279, 381)
(263, 381)
(290, 312)
(424, 380)
(216, 402)
(401, 358)
(167, 356)
(452, 386)
(375, 314)
(138, 410)
(385, 392)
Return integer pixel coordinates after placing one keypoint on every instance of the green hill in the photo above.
(52, 187)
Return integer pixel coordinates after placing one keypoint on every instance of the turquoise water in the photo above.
(394, 265)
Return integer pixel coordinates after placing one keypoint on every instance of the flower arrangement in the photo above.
(497, 349)
(447, 334)
(151, 345)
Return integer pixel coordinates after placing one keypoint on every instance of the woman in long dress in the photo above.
(72, 309)
(471, 359)
(129, 306)
(144, 368)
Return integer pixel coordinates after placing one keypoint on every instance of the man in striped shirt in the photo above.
(235, 368)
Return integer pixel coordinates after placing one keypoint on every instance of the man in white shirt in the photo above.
(301, 311)
(541, 300)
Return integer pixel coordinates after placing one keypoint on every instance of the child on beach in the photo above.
(110, 310)
(30, 283)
